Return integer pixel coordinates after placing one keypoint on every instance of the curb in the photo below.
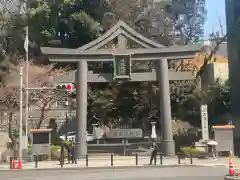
(104, 168)
(231, 177)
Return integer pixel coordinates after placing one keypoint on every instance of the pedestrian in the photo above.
(153, 153)
(213, 145)
(68, 148)
(61, 158)
(64, 145)
(73, 154)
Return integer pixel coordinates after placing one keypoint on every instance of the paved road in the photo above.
(177, 173)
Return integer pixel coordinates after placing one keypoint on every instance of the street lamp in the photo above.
(21, 115)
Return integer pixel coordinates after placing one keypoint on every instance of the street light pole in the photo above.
(26, 86)
(21, 113)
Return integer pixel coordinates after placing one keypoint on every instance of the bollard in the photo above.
(179, 158)
(124, 147)
(111, 159)
(161, 158)
(13, 163)
(191, 159)
(231, 171)
(36, 161)
(155, 159)
(136, 159)
(19, 165)
(62, 160)
(10, 161)
(86, 160)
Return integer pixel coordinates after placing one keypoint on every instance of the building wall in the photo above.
(213, 72)
(61, 114)
(221, 71)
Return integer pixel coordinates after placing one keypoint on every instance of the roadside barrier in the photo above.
(109, 160)
(15, 164)
(231, 170)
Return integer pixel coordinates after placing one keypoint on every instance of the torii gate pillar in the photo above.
(168, 145)
(81, 111)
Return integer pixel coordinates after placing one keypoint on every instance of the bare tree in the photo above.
(128, 10)
(198, 64)
(44, 100)
(216, 41)
(39, 76)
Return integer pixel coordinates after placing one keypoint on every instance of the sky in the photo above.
(215, 11)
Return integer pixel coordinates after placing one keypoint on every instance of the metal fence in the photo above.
(104, 161)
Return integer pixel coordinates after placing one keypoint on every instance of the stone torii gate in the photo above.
(122, 58)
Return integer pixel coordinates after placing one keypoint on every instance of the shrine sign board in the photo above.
(41, 142)
(204, 122)
(125, 133)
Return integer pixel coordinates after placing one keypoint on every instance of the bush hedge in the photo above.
(191, 150)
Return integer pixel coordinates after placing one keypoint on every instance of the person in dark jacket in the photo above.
(64, 146)
(61, 158)
(68, 148)
(73, 158)
(153, 153)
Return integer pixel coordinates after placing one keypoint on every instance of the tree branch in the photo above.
(210, 56)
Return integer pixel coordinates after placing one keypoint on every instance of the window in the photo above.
(61, 104)
(56, 105)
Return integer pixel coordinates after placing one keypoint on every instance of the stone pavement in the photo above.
(236, 163)
(153, 173)
(124, 161)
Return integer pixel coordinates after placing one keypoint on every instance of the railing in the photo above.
(103, 161)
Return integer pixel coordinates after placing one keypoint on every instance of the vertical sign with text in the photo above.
(204, 122)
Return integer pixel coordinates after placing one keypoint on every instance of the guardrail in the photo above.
(110, 160)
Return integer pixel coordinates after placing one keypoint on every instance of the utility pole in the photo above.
(26, 85)
(21, 114)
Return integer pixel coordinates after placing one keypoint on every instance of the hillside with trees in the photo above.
(71, 24)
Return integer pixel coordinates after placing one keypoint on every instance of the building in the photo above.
(217, 68)
(57, 107)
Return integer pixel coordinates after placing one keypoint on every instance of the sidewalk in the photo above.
(123, 161)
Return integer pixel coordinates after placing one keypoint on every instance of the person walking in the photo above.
(63, 146)
(213, 146)
(153, 153)
(73, 158)
(61, 158)
(68, 148)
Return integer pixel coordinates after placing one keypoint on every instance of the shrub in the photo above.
(191, 150)
(55, 152)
